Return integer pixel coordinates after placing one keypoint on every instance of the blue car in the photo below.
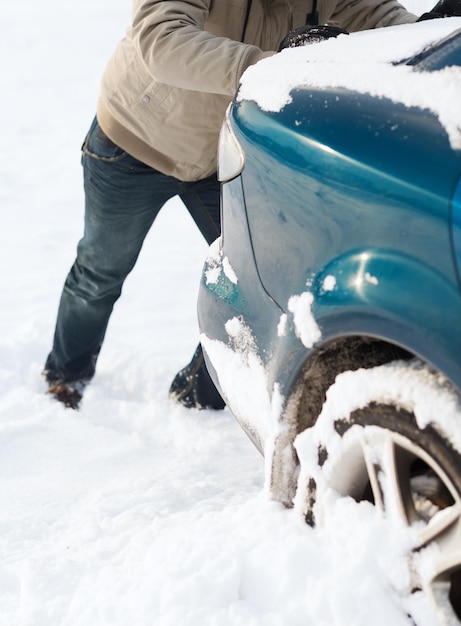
(330, 307)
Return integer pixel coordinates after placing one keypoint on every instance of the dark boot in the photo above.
(193, 387)
(69, 394)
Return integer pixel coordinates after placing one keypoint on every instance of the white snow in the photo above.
(214, 263)
(329, 283)
(229, 271)
(372, 280)
(282, 325)
(134, 511)
(305, 325)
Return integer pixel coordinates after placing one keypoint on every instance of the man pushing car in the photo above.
(163, 98)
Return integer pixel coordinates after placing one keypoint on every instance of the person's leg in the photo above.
(122, 199)
(192, 386)
(202, 200)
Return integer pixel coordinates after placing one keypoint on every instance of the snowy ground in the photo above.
(133, 510)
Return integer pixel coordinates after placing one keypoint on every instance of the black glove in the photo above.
(444, 8)
(306, 35)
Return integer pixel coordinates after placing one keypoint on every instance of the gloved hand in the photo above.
(306, 35)
(444, 8)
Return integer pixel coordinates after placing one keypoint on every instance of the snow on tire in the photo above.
(389, 437)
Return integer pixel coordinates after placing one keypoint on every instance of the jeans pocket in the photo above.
(98, 145)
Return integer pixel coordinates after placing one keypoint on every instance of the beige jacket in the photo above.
(165, 90)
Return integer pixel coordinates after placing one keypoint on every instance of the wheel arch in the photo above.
(396, 297)
(308, 393)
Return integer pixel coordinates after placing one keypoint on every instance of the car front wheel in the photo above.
(396, 446)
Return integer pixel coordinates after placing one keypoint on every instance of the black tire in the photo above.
(411, 473)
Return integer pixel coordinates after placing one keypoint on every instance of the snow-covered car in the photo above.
(330, 307)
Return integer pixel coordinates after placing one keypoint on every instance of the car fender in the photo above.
(381, 294)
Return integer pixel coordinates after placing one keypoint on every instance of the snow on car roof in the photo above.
(365, 62)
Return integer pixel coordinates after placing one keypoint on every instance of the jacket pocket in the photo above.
(155, 101)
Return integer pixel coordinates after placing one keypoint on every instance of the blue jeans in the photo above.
(122, 199)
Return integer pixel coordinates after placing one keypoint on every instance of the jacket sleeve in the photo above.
(170, 38)
(354, 15)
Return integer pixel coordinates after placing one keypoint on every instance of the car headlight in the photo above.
(230, 155)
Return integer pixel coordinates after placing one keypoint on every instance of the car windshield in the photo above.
(444, 53)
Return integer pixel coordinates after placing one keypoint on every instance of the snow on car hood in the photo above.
(363, 62)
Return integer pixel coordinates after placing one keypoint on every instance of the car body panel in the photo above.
(344, 223)
(456, 228)
(351, 174)
(378, 189)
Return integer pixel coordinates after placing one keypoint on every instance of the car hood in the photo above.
(383, 63)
